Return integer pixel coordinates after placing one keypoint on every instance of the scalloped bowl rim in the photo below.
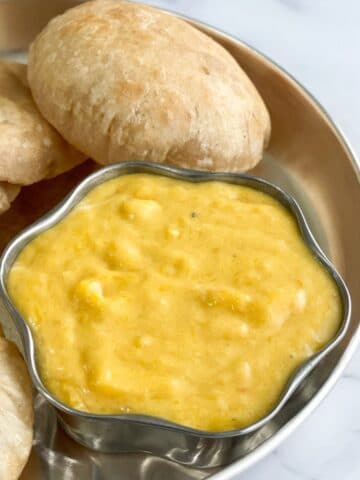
(106, 173)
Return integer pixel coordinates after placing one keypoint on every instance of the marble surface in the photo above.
(318, 42)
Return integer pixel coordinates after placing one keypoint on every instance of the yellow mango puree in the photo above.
(191, 302)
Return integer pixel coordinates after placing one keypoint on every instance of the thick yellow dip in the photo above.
(192, 302)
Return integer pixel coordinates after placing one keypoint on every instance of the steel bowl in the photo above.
(143, 433)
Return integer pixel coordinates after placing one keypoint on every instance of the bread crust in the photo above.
(16, 412)
(8, 193)
(30, 148)
(124, 81)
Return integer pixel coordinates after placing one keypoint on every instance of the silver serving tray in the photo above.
(309, 158)
(143, 433)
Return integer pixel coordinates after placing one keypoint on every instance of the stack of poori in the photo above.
(113, 81)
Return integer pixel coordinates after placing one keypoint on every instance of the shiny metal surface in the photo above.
(307, 157)
(141, 433)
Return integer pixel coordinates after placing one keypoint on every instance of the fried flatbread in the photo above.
(8, 193)
(30, 148)
(16, 412)
(123, 81)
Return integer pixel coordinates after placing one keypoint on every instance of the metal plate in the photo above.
(308, 158)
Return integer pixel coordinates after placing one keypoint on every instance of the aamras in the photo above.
(159, 286)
